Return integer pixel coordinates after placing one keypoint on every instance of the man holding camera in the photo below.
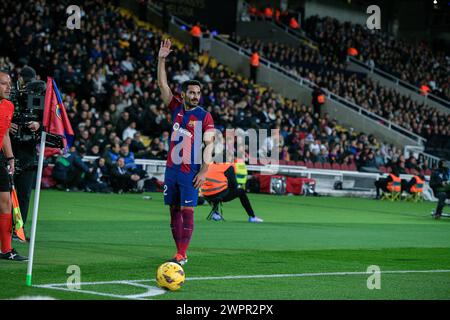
(6, 168)
(440, 183)
(25, 151)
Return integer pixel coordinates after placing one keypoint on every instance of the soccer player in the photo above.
(185, 173)
(6, 159)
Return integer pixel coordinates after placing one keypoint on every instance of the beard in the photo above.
(192, 103)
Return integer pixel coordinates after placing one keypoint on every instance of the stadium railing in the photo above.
(353, 183)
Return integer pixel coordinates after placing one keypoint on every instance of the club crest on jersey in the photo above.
(177, 128)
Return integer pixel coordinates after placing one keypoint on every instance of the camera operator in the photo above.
(25, 150)
(6, 168)
(440, 183)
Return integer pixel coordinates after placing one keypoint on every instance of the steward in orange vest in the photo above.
(293, 23)
(268, 12)
(221, 186)
(254, 59)
(415, 185)
(395, 185)
(352, 52)
(196, 31)
(392, 183)
(254, 64)
(216, 180)
(424, 90)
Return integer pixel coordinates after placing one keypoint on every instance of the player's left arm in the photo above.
(7, 151)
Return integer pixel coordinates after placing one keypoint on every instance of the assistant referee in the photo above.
(6, 168)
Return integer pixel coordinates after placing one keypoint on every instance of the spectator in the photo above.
(121, 179)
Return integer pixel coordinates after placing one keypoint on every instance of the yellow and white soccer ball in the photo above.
(170, 276)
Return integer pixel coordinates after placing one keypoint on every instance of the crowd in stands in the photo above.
(417, 64)
(327, 69)
(107, 72)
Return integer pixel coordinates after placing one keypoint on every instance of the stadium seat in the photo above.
(310, 164)
(427, 172)
(391, 196)
(291, 163)
(414, 197)
(336, 166)
(283, 162)
(327, 166)
(344, 167)
(352, 167)
(301, 163)
(318, 165)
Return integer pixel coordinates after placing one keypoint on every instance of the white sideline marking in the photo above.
(152, 291)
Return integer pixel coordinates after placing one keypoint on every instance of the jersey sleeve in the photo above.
(175, 103)
(11, 113)
(208, 123)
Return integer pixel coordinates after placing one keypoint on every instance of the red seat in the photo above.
(318, 165)
(283, 162)
(327, 166)
(301, 163)
(336, 166)
(383, 169)
(291, 163)
(352, 167)
(310, 164)
(428, 172)
(344, 167)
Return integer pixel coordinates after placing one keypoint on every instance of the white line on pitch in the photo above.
(260, 276)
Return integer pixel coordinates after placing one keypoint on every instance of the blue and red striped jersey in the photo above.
(188, 127)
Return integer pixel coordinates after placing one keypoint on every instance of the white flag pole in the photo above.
(36, 208)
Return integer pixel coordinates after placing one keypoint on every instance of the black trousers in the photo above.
(381, 184)
(123, 183)
(253, 73)
(231, 194)
(25, 180)
(442, 196)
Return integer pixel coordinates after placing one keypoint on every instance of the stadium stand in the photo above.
(108, 78)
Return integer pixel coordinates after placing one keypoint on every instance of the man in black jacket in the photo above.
(440, 184)
(121, 179)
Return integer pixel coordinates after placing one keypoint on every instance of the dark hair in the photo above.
(186, 84)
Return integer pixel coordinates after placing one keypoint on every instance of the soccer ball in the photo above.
(170, 276)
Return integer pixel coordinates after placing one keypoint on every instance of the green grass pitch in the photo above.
(125, 237)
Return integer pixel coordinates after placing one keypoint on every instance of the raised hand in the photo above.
(164, 50)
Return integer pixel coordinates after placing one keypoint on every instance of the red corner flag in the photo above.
(55, 116)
